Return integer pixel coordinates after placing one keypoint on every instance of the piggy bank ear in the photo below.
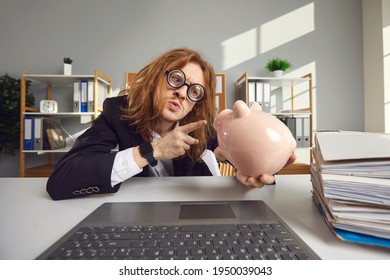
(240, 109)
(255, 106)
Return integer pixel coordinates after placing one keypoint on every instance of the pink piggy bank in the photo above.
(255, 142)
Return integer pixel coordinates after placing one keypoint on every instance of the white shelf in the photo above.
(60, 114)
(278, 82)
(62, 79)
(46, 151)
(292, 114)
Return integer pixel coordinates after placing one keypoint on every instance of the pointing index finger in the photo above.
(192, 126)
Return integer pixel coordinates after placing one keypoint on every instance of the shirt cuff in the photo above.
(124, 167)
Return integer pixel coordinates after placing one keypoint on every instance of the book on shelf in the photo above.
(28, 137)
(300, 129)
(353, 197)
(90, 96)
(260, 92)
(38, 141)
(76, 97)
(83, 96)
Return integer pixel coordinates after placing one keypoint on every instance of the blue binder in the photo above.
(83, 96)
(28, 133)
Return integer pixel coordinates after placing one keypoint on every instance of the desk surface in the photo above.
(31, 221)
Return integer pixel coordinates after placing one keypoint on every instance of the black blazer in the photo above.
(87, 167)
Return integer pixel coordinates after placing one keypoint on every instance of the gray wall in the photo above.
(122, 35)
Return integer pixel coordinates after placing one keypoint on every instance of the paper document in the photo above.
(353, 153)
(350, 145)
(351, 184)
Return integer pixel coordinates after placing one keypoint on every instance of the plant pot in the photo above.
(67, 69)
(278, 73)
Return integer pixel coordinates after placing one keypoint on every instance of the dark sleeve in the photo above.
(87, 167)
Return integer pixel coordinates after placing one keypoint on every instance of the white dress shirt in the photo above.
(124, 166)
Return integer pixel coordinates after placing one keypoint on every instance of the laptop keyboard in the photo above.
(192, 242)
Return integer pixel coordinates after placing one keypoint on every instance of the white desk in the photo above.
(30, 221)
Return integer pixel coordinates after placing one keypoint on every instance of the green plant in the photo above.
(10, 90)
(274, 64)
(68, 60)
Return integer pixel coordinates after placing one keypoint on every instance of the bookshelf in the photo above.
(247, 90)
(36, 158)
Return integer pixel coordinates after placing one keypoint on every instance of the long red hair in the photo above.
(147, 99)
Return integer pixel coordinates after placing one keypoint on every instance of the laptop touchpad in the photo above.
(206, 211)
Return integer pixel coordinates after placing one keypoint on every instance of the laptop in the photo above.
(212, 230)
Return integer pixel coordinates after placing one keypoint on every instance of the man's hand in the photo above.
(265, 179)
(177, 142)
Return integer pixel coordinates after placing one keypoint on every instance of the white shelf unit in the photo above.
(61, 89)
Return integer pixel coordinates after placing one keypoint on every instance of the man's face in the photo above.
(178, 103)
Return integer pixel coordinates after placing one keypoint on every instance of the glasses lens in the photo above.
(176, 78)
(196, 92)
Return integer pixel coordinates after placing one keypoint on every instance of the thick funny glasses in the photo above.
(176, 79)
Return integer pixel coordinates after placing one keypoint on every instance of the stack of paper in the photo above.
(351, 184)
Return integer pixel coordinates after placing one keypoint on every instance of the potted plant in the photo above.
(10, 90)
(277, 66)
(67, 66)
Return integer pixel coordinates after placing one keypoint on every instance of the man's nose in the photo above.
(181, 92)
